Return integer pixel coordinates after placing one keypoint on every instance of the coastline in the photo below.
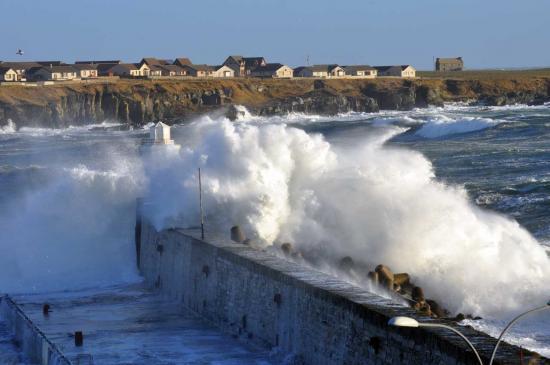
(137, 102)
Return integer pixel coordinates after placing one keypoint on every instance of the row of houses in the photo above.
(233, 66)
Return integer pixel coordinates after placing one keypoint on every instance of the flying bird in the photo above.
(19, 52)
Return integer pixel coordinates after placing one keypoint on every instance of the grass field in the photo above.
(486, 74)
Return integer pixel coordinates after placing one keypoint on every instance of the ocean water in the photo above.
(459, 197)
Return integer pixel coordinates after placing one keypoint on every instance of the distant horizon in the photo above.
(492, 34)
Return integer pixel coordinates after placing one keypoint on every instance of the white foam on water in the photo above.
(72, 231)
(78, 129)
(443, 126)
(362, 199)
(531, 332)
(9, 128)
(367, 201)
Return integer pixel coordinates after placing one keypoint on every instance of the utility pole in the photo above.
(200, 205)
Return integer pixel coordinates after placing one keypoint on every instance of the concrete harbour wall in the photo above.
(315, 318)
(29, 337)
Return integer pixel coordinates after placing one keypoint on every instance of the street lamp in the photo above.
(511, 324)
(411, 322)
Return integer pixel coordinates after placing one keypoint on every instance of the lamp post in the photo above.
(511, 324)
(411, 322)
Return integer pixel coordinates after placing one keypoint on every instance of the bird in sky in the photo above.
(19, 52)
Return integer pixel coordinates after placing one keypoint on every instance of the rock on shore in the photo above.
(137, 102)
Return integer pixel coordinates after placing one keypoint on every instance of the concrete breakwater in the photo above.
(278, 304)
(137, 102)
(28, 337)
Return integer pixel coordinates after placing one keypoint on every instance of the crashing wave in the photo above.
(9, 128)
(444, 126)
(367, 201)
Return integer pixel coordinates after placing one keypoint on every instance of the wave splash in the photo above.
(72, 231)
(367, 201)
(9, 128)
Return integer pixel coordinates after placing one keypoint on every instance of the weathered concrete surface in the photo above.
(9, 352)
(32, 341)
(281, 305)
(130, 325)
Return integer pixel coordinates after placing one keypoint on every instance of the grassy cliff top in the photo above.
(467, 84)
(487, 74)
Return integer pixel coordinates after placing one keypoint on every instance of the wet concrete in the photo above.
(10, 354)
(130, 325)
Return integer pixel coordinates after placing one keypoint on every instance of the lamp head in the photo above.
(403, 322)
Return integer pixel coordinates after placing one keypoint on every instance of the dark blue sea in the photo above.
(457, 196)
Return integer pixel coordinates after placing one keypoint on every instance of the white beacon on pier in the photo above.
(159, 139)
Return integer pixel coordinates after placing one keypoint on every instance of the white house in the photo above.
(321, 71)
(223, 71)
(21, 68)
(85, 71)
(143, 69)
(396, 71)
(55, 73)
(275, 70)
(124, 70)
(172, 70)
(7, 74)
(360, 71)
(199, 70)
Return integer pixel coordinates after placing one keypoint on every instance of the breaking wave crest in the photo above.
(368, 201)
(443, 126)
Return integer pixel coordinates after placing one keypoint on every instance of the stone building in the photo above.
(449, 64)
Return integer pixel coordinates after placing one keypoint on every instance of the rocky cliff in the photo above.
(137, 102)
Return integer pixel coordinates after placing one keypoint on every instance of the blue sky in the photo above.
(487, 33)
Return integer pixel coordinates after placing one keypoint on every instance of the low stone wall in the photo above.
(315, 318)
(28, 336)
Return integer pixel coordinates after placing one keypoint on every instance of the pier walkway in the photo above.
(130, 325)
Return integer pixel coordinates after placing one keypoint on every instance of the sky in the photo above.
(486, 33)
